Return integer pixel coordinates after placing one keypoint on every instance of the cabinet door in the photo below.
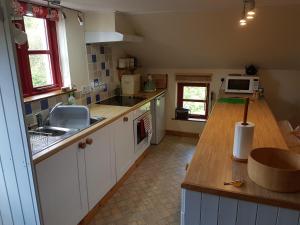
(100, 166)
(62, 187)
(123, 143)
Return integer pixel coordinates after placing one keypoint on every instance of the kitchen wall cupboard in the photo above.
(123, 144)
(203, 209)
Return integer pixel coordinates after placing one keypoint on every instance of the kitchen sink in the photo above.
(46, 136)
(70, 116)
(54, 131)
(94, 120)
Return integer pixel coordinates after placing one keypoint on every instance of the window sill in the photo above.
(192, 120)
(46, 95)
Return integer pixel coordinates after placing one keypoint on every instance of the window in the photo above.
(194, 96)
(38, 59)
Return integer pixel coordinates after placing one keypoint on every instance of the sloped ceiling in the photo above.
(150, 6)
(215, 40)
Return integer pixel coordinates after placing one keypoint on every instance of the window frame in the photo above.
(23, 54)
(180, 99)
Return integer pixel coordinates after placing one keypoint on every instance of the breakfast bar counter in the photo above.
(212, 164)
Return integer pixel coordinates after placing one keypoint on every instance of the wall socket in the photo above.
(86, 89)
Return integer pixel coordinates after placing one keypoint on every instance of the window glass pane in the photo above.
(36, 32)
(40, 70)
(197, 108)
(196, 93)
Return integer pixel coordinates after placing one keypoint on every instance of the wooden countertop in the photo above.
(212, 164)
(111, 113)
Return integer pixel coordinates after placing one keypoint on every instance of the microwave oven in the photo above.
(241, 84)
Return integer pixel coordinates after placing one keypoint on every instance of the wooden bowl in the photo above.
(275, 169)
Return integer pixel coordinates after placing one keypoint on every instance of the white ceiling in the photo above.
(152, 6)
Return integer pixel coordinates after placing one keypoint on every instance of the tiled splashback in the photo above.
(102, 78)
(43, 106)
(100, 65)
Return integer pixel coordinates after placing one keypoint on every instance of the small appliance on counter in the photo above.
(251, 70)
(241, 84)
(130, 84)
(149, 85)
(182, 114)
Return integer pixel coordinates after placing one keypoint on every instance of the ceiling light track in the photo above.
(248, 13)
(57, 5)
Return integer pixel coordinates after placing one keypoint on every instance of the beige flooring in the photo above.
(151, 195)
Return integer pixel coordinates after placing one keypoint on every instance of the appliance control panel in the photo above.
(255, 84)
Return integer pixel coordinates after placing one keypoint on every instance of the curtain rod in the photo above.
(51, 3)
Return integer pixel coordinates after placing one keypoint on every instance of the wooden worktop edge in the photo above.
(39, 157)
(240, 196)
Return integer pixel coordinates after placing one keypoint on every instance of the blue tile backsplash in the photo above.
(28, 109)
(94, 58)
(97, 98)
(88, 100)
(101, 66)
(44, 104)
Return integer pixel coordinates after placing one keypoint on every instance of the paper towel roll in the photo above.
(243, 139)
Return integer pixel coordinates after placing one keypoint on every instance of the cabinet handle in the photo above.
(89, 141)
(82, 145)
(125, 119)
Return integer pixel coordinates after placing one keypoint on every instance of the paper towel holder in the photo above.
(244, 123)
(245, 118)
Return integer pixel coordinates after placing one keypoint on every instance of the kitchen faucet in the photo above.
(39, 116)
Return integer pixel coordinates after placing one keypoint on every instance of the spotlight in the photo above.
(80, 20)
(63, 14)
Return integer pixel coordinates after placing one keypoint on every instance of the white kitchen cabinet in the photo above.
(123, 135)
(100, 165)
(74, 180)
(62, 187)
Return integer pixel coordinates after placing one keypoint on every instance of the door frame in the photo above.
(19, 198)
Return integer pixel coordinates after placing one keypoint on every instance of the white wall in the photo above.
(282, 91)
(282, 94)
(213, 39)
(77, 55)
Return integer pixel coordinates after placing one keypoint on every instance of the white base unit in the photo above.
(74, 180)
(123, 144)
(62, 187)
(206, 209)
(100, 166)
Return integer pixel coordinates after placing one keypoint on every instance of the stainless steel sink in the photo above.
(44, 137)
(54, 131)
(70, 116)
(94, 120)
